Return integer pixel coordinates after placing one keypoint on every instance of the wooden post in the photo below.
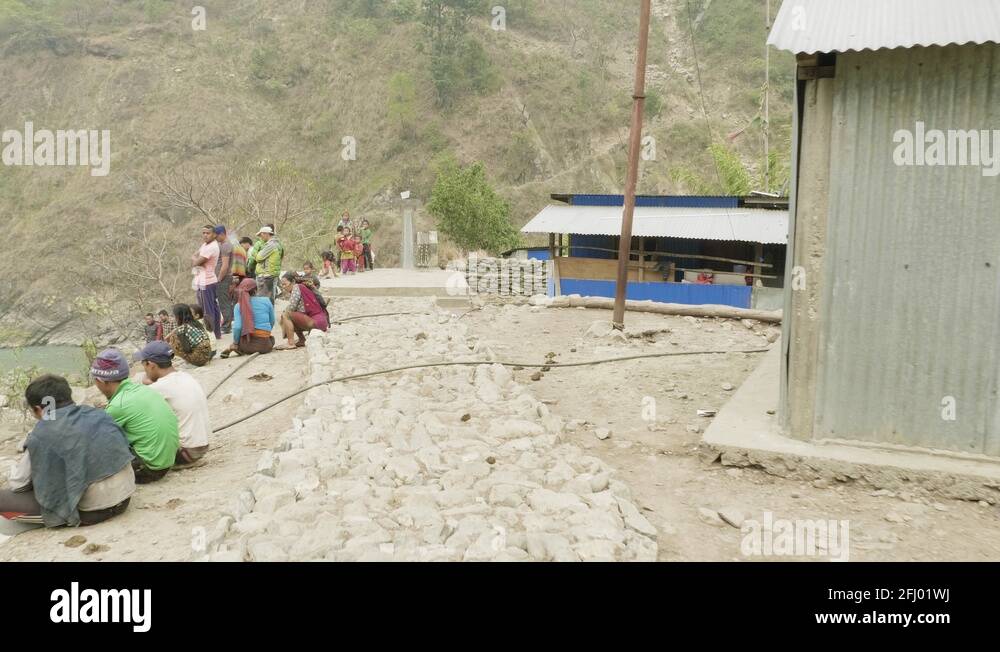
(555, 262)
(632, 178)
(758, 253)
(642, 259)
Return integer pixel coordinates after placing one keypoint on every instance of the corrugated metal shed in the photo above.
(735, 224)
(910, 312)
(811, 26)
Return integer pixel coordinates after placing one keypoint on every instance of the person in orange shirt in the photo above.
(359, 253)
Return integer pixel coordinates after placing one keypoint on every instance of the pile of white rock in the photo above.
(453, 463)
(504, 277)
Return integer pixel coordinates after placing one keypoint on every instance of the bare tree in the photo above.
(276, 193)
(141, 265)
(142, 262)
(208, 195)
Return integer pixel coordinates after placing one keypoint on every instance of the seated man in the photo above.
(149, 424)
(184, 395)
(77, 469)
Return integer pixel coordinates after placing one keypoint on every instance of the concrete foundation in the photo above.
(747, 432)
(393, 283)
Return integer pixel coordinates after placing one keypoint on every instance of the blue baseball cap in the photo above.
(158, 351)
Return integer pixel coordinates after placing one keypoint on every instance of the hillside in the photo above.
(260, 102)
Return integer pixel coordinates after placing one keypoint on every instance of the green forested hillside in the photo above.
(247, 122)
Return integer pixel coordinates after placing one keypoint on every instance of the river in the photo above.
(51, 359)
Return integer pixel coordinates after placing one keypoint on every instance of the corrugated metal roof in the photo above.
(736, 224)
(810, 26)
(685, 201)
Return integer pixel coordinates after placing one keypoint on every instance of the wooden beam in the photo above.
(642, 259)
(722, 312)
(690, 269)
(817, 72)
(758, 254)
(666, 254)
(555, 262)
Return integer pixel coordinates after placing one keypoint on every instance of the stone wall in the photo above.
(504, 276)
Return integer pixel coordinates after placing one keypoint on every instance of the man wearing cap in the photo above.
(206, 282)
(184, 395)
(149, 423)
(224, 272)
(268, 262)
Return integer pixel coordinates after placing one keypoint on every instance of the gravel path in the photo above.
(447, 464)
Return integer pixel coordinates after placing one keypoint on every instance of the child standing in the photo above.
(348, 264)
(366, 241)
(151, 328)
(359, 253)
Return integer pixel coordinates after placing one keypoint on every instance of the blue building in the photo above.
(685, 249)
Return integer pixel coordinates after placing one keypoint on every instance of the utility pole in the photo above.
(767, 103)
(635, 143)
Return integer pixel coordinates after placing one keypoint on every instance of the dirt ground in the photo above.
(659, 456)
(162, 520)
(662, 462)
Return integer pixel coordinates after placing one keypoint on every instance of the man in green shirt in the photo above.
(268, 262)
(149, 423)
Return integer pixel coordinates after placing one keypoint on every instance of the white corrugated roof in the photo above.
(810, 26)
(738, 224)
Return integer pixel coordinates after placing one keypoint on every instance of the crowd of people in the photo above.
(236, 283)
(81, 464)
(352, 250)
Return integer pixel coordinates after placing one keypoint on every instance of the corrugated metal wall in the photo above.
(578, 243)
(911, 303)
(693, 294)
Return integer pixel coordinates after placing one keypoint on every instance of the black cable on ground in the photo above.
(341, 321)
(230, 374)
(476, 363)
(381, 314)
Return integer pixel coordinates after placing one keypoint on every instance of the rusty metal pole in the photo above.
(635, 143)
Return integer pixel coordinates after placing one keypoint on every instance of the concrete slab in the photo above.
(745, 434)
(391, 283)
(454, 303)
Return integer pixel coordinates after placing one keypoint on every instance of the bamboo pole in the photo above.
(722, 312)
